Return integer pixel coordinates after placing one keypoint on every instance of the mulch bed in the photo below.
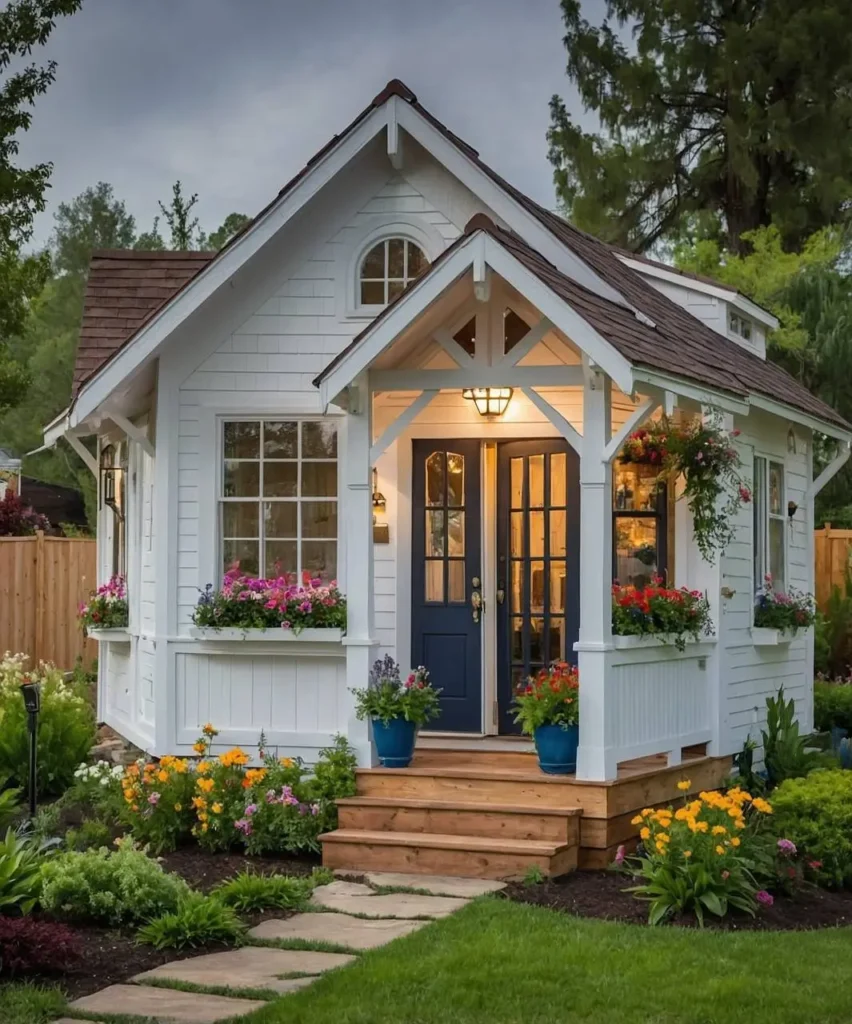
(600, 894)
(111, 957)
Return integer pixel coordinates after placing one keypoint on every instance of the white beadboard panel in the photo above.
(246, 693)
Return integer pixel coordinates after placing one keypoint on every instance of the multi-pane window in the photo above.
(769, 510)
(640, 525)
(740, 326)
(278, 497)
(388, 269)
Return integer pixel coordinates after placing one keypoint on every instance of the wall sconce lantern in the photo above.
(379, 500)
(110, 470)
(791, 441)
(31, 694)
(489, 401)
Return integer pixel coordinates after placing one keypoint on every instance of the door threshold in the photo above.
(474, 741)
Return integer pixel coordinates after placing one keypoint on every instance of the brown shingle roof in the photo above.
(124, 289)
(678, 344)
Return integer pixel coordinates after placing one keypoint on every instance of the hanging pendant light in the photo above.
(489, 401)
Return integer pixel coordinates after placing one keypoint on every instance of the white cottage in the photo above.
(316, 396)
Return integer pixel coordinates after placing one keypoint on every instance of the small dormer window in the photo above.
(740, 326)
(388, 268)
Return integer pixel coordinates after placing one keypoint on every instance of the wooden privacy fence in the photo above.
(42, 582)
(832, 556)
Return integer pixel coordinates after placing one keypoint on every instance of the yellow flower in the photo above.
(208, 730)
(734, 812)
(163, 776)
(664, 838)
(178, 807)
(199, 747)
(633, 821)
(682, 814)
(684, 785)
(759, 804)
(720, 850)
(199, 802)
(288, 762)
(645, 833)
(135, 807)
(204, 827)
(205, 785)
(202, 815)
(740, 823)
(661, 847)
(736, 841)
(203, 767)
(719, 830)
(702, 826)
(216, 808)
(687, 854)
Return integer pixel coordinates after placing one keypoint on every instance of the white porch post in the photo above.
(595, 761)
(358, 526)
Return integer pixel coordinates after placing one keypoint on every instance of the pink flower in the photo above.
(250, 810)
(766, 898)
(745, 494)
(815, 865)
(726, 875)
(787, 847)
(154, 799)
(270, 796)
(620, 854)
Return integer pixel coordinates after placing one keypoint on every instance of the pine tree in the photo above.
(727, 115)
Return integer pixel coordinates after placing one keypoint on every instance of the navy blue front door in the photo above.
(538, 563)
(446, 577)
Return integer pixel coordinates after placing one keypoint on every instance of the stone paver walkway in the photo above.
(381, 918)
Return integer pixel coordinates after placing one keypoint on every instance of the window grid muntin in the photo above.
(386, 280)
(260, 500)
(444, 507)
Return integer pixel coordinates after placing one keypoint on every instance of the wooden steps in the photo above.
(437, 854)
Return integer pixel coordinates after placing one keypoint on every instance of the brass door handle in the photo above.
(477, 604)
(501, 592)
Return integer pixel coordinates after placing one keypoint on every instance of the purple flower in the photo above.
(766, 898)
(250, 810)
(787, 847)
(620, 855)
(270, 796)
(314, 809)
(154, 799)
(244, 826)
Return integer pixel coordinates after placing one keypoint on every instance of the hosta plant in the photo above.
(21, 860)
(106, 607)
(197, 921)
(387, 696)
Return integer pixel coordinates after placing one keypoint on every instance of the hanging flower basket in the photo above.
(704, 455)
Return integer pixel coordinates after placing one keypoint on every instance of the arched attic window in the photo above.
(387, 269)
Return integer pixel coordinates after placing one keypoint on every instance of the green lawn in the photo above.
(29, 1004)
(501, 963)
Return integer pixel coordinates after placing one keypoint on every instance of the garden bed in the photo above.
(600, 894)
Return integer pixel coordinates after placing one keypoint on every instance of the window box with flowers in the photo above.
(780, 614)
(276, 610)
(104, 616)
(659, 614)
(548, 709)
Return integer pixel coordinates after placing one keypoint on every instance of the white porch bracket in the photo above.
(449, 344)
(133, 432)
(86, 456)
(529, 341)
(481, 272)
(571, 435)
(395, 145)
(402, 421)
(830, 471)
(633, 422)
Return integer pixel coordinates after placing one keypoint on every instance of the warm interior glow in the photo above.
(489, 401)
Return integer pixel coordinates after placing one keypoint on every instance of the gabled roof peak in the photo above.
(395, 87)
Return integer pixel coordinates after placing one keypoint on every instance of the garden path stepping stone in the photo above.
(165, 1005)
(354, 932)
(352, 898)
(437, 885)
(249, 967)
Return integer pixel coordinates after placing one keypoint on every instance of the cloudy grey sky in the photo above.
(232, 96)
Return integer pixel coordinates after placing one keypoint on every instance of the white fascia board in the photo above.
(415, 301)
(719, 291)
(508, 211)
(561, 315)
(692, 389)
(145, 344)
(787, 412)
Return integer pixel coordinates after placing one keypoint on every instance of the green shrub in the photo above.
(20, 873)
(816, 814)
(91, 835)
(833, 633)
(10, 805)
(832, 704)
(250, 892)
(123, 887)
(66, 726)
(198, 921)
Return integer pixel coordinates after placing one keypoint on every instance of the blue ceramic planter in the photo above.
(838, 734)
(557, 748)
(394, 742)
(845, 752)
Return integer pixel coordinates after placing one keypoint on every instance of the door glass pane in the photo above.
(537, 652)
(635, 488)
(280, 519)
(280, 479)
(556, 640)
(319, 558)
(636, 559)
(319, 519)
(557, 479)
(319, 479)
(242, 555)
(280, 440)
(280, 559)
(517, 474)
(242, 440)
(435, 580)
(517, 586)
(434, 533)
(435, 479)
(455, 581)
(517, 639)
(242, 479)
(537, 534)
(776, 553)
(517, 521)
(319, 440)
(776, 487)
(558, 526)
(240, 519)
(536, 481)
(455, 479)
(537, 593)
(455, 532)
(557, 586)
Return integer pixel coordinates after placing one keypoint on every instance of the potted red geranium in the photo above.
(548, 709)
